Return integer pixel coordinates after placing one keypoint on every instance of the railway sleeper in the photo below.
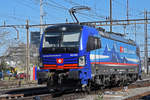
(11, 96)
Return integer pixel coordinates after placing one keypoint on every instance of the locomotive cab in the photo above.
(59, 52)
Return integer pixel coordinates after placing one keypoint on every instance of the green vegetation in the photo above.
(3, 66)
(100, 96)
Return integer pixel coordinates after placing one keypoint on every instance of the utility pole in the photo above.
(146, 40)
(135, 32)
(127, 10)
(41, 17)
(110, 15)
(27, 50)
(124, 27)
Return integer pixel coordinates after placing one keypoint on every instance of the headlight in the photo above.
(82, 61)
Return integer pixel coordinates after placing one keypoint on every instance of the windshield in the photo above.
(62, 36)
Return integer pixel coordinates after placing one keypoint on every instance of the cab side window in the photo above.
(93, 43)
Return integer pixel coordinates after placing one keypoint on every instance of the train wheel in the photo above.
(48, 85)
(88, 88)
(39, 81)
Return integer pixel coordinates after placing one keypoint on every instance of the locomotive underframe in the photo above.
(63, 79)
(98, 69)
(113, 75)
(102, 76)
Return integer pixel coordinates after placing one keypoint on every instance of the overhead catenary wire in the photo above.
(73, 3)
(118, 3)
(59, 5)
(26, 4)
(61, 9)
(101, 23)
(65, 8)
(93, 14)
(20, 18)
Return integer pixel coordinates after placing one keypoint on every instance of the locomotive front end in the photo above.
(59, 52)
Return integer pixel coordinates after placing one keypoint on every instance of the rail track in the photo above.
(42, 93)
(9, 89)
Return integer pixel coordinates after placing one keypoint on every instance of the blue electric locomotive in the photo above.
(81, 56)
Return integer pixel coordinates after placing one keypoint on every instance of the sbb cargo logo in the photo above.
(59, 60)
(121, 49)
(126, 50)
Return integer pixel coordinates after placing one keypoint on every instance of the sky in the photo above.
(16, 12)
